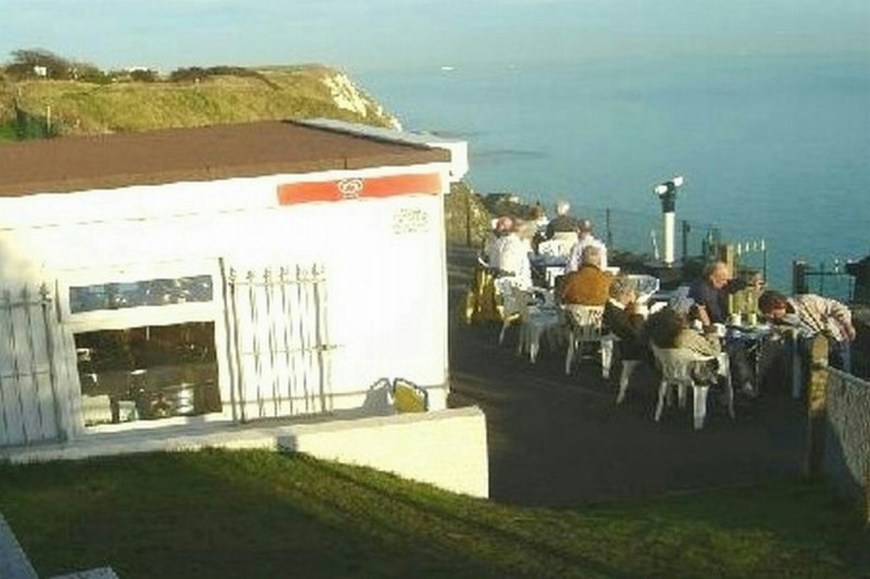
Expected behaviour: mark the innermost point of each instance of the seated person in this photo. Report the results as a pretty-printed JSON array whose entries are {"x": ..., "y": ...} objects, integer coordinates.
[
  {"x": 813, "y": 314},
  {"x": 563, "y": 226},
  {"x": 623, "y": 321},
  {"x": 710, "y": 293},
  {"x": 710, "y": 297},
  {"x": 669, "y": 329},
  {"x": 589, "y": 285},
  {"x": 585, "y": 239}
]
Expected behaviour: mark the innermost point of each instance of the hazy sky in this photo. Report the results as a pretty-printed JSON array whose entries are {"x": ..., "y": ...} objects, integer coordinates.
[{"x": 361, "y": 35}]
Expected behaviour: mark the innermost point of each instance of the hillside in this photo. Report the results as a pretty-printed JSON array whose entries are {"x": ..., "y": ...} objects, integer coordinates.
[
  {"x": 35, "y": 107},
  {"x": 283, "y": 92}
]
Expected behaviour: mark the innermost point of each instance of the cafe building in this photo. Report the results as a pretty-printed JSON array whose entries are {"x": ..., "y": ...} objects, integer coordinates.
[{"x": 226, "y": 273}]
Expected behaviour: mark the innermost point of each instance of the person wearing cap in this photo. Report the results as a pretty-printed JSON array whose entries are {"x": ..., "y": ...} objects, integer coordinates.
[{"x": 584, "y": 240}]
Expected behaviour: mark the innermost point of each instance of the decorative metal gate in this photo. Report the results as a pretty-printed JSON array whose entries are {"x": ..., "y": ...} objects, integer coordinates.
[
  {"x": 37, "y": 368},
  {"x": 278, "y": 348}
]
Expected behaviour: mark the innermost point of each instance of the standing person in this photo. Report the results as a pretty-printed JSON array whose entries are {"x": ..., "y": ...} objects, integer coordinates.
[
  {"x": 563, "y": 226},
  {"x": 586, "y": 239},
  {"x": 816, "y": 315},
  {"x": 514, "y": 251},
  {"x": 539, "y": 216},
  {"x": 589, "y": 285},
  {"x": 501, "y": 228}
]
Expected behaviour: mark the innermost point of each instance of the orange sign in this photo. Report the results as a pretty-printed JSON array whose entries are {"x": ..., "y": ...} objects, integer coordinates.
[{"x": 357, "y": 188}]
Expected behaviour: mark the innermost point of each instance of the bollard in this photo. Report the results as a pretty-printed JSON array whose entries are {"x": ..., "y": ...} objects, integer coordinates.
[{"x": 816, "y": 406}]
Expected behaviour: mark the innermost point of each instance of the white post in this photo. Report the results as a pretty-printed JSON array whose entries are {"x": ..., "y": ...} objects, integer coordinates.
[
  {"x": 668, "y": 220},
  {"x": 667, "y": 193}
]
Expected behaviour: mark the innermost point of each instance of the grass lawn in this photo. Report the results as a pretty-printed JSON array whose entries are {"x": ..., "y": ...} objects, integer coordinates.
[
  {"x": 263, "y": 514},
  {"x": 7, "y": 133}
]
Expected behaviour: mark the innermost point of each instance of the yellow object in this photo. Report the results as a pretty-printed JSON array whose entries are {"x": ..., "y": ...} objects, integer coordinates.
[
  {"x": 484, "y": 306},
  {"x": 408, "y": 397}
]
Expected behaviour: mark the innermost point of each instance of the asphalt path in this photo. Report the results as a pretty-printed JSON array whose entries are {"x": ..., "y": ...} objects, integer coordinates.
[{"x": 557, "y": 440}]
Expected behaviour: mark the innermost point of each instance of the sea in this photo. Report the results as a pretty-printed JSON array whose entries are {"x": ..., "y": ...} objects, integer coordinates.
[{"x": 774, "y": 151}]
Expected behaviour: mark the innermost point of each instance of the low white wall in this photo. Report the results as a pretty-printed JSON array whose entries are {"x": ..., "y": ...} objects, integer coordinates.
[{"x": 445, "y": 448}]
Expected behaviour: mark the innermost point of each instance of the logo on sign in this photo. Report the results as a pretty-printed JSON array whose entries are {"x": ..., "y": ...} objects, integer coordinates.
[{"x": 350, "y": 188}]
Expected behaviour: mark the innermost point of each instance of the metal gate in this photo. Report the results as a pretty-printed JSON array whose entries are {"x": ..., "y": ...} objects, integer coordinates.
[
  {"x": 37, "y": 368},
  {"x": 277, "y": 346}
]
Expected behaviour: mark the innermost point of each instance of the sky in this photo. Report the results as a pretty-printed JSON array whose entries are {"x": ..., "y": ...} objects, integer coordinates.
[{"x": 369, "y": 35}]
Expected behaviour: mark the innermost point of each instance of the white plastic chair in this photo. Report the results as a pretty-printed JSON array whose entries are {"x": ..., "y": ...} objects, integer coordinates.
[
  {"x": 584, "y": 327},
  {"x": 509, "y": 309},
  {"x": 535, "y": 322},
  {"x": 628, "y": 368},
  {"x": 555, "y": 247},
  {"x": 675, "y": 365}
]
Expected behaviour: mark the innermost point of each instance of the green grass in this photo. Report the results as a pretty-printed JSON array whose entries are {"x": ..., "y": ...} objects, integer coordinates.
[
  {"x": 86, "y": 108},
  {"x": 262, "y": 514},
  {"x": 7, "y": 133}
]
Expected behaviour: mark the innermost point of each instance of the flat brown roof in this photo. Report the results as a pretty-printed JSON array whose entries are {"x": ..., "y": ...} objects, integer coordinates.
[{"x": 194, "y": 154}]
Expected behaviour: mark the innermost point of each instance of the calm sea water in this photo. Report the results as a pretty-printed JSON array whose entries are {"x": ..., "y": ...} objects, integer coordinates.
[{"x": 773, "y": 149}]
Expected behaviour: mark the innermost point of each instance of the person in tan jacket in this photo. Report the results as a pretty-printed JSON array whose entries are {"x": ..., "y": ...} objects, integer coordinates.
[{"x": 589, "y": 285}]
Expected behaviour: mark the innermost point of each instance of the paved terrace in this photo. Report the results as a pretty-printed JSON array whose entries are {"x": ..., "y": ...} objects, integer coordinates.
[{"x": 559, "y": 440}]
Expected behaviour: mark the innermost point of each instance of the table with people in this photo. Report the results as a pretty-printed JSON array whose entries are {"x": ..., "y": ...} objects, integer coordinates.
[{"x": 756, "y": 338}]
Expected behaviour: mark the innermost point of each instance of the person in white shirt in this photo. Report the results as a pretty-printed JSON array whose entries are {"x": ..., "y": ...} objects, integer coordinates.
[
  {"x": 501, "y": 228},
  {"x": 585, "y": 239},
  {"x": 514, "y": 251}
]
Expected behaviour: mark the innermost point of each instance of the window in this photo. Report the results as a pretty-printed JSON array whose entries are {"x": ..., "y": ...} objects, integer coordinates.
[
  {"x": 152, "y": 292},
  {"x": 148, "y": 372}
]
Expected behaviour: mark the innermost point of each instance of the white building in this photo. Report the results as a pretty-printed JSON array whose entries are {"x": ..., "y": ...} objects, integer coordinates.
[{"x": 226, "y": 273}]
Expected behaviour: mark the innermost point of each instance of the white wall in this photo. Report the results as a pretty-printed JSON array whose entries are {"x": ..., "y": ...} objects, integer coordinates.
[
  {"x": 446, "y": 448},
  {"x": 384, "y": 258}
]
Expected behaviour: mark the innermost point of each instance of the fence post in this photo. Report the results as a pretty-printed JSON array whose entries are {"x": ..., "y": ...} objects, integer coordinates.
[
  {"x": 799, "y": 277},
  {"x": 816, "y": 406},
  {"x": 687, "y": 229}
]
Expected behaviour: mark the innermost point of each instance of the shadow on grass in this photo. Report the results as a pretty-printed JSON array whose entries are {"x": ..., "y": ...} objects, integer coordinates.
[{"x": 263, "y": 514}]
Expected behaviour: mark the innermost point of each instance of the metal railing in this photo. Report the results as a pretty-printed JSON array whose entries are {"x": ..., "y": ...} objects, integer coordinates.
[{"x": 826, "y": 279}]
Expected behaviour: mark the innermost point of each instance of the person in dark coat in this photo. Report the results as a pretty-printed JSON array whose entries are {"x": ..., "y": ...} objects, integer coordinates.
[{"x": 622, "y": 319}]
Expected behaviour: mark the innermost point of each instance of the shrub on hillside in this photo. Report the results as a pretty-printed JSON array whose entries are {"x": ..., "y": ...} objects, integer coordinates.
[
  {"x": 196, "y": 74},
  {"x": 41, "y": 63},
  {"x": 26, "y": 62},
  {"x": 143, "y": 75},
  {"x": 467, "y": 220}
]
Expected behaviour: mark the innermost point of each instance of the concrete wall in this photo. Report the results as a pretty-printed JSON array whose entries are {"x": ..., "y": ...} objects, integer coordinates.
[
  {"x": 847, "y": 443},
  {"x": 445, "y": 448}
]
